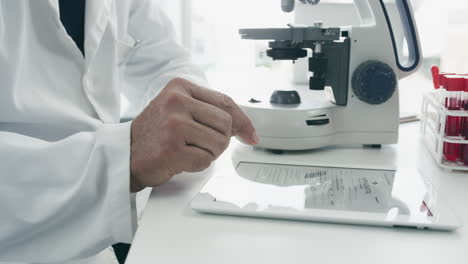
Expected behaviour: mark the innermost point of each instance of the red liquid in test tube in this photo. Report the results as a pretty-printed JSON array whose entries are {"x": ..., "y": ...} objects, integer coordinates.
[
  {"x": 454, "y": 87},
  {"x": 464, "y": 153},
  {"x": 442, "y": 85},
  {"x": 439, "y": 80}
]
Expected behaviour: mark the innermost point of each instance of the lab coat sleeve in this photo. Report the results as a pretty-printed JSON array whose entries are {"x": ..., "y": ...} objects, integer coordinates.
[
  {"x": 67, "y": 199},
  {"x": 157, "y": 58}
]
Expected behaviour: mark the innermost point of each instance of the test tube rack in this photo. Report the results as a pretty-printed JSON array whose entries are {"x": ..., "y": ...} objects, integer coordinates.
[{"x": 433, "y": 119}]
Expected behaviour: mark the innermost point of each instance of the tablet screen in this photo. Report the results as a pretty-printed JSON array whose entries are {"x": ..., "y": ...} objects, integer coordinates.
[
  {"x": 264, "y": 186},
  {"x": 328, "y": 188}
]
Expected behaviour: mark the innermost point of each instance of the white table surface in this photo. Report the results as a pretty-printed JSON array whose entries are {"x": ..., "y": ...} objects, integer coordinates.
[{"x": 171, "y": 232}]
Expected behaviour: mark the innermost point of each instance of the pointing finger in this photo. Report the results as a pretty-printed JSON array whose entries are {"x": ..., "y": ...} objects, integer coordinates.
[{"x": 241, "y": 124}]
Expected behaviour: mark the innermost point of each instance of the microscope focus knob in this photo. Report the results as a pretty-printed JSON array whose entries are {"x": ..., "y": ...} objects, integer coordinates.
[
  {"x": 285, "y": 98},
  {"x": 374, "y": 82}
]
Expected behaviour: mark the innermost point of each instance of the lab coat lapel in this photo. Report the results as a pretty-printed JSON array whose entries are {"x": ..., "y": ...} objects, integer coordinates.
[
  {"x": 98, "y": 15},
  {"x": 98, "y": 90},
  {"x": 55, "y": 6}
]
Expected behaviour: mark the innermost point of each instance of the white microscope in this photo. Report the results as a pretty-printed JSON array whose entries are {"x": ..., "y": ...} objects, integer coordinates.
[{"x": 352, "y": 96}]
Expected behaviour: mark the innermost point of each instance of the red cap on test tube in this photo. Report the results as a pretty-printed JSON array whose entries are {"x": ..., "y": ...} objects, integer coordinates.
[
  {"x": 443, "y": 78},
  {"x": 466, "y": 83},
  {"x": 435, "y": 76},
  {"x": 454, "y": 83}
]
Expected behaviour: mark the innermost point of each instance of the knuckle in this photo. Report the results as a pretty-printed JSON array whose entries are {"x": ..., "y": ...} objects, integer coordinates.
[
  {"x": 225, "y": 101},
  {"x": 174, "y": 98},
  {"x": 173, "y": 123},
  {"x": 177, "y": 81},
  {"x": 181, "y": 83},
  {"x": 227, "y": 119},
  {"x": 228, "y": 124}
]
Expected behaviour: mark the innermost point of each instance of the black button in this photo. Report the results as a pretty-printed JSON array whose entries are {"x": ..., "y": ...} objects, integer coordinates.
[
  {"x": 285, "y": 98},
  {"x": 319, "y": 122},
  {"x": 254, "y": 101}
]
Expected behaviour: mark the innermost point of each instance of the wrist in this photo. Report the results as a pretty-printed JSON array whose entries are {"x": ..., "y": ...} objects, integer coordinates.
[{"x": 135, "y": 184}]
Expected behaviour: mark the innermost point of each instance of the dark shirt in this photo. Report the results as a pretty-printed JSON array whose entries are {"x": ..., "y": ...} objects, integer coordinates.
[{"x": 72, "y": 15}]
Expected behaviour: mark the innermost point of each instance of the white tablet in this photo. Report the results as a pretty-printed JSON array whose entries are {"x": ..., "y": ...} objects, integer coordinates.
[{"x": 392, "y": 198}]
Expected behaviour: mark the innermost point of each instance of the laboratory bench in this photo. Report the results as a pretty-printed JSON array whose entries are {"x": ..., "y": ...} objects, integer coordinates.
[{"x": 171, "y": 232}]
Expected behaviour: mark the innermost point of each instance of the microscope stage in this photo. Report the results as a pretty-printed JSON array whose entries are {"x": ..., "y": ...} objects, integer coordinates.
[{"x": 310, "y": 100}]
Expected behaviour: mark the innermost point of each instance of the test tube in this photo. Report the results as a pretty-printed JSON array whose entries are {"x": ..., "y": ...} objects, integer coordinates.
[
  {"x": 439, "y": 84},
  {"x": 436, "y": 76},
  {"x": 464, "y": 152},
  {"x": 442, "y": 86},
  {"x": 454, "y": 87}
]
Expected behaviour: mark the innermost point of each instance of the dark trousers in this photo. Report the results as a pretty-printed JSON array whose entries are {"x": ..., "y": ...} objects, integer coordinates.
[{"x": 121, "y": 251}]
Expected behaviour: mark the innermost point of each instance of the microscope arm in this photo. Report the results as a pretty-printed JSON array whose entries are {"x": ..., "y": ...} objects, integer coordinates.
[{"x": 288, "y": 5}]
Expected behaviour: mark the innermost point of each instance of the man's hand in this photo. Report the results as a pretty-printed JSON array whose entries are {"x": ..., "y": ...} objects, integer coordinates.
[{"x": 184, "y": 129}]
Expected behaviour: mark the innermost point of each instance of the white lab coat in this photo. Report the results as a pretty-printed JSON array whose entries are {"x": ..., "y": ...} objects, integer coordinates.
[{"x": 64, "y": 157}]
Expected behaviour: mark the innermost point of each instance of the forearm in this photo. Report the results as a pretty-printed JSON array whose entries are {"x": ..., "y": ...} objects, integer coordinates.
[{"x": 66, "y": 199}]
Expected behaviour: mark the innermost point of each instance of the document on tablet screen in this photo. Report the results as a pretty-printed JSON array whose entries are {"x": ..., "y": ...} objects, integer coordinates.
[{"x": 329, "y": 188}]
